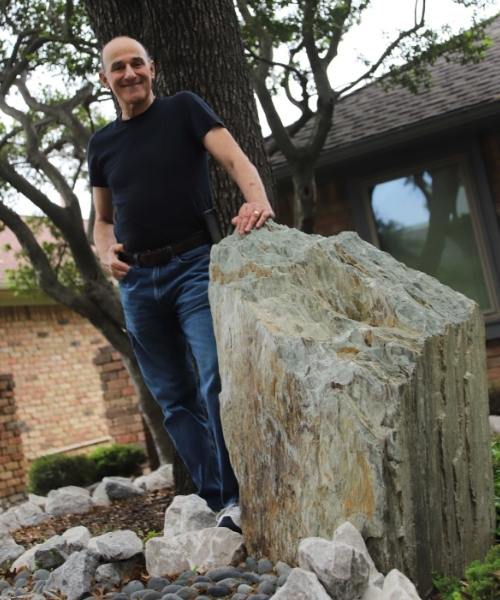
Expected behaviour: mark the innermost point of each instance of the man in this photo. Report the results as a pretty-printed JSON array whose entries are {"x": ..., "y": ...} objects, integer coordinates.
[{"x": 149, "y": 176}]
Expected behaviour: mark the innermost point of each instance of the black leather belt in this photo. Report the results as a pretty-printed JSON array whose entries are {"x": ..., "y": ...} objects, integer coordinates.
[{"x": 153, "y": 258}]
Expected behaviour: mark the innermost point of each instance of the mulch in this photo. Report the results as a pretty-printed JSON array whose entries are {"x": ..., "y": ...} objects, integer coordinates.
[{"x": 141, "y": 514}]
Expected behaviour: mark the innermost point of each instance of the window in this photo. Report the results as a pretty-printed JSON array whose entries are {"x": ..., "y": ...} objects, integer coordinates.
[{"x": 427, "y": 218}]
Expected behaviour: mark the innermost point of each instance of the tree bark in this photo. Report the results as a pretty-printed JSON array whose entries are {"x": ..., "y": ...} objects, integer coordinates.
[
  {"x": 196, "y": 46},
  {"x": 304, "y": 197}
]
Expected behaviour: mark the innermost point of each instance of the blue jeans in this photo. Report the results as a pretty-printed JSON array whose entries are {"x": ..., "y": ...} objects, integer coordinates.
[{"x": 170, "y": 326}]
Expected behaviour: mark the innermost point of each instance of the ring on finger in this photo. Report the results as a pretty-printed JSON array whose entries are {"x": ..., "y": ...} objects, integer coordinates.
[{"x": 256, "y": 213}]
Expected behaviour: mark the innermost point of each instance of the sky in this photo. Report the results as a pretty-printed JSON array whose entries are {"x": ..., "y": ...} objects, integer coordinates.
[{"x": 380, "y": 22}]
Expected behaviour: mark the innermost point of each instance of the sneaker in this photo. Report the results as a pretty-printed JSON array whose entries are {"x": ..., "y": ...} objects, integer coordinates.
[{"x": 230, "y": 517}]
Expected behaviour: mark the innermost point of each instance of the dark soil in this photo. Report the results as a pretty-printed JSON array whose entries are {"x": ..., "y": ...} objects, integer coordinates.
[{"x": 141, "y": 514}]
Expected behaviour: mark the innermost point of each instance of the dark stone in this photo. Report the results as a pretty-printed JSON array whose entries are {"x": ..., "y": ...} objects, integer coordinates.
[
  {"x": 251, "y": 563},
  {"x": 157, "y": 583},
  {"x": 41, "y": 574},
  {"x": 133, "y": 586},
  {"x": 187, "y": 593},
  {"x": 251, "y": 577},
  {"x": 151, "y": 595},
  {"x": 231, "y": 582},
  {"x": 201, "y": 586},
  {"x": 266, "y": 587},
  {"x": 218, "y": 591},
  {"x": 171, "y": 588},
  {"x": 264, "y": 566},
  {"x": 223, "y": 573},
  {"x": 258, "y": 597}
]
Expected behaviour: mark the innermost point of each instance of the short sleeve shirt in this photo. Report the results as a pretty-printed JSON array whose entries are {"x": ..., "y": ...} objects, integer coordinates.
[{"x": 156, "y": 167}]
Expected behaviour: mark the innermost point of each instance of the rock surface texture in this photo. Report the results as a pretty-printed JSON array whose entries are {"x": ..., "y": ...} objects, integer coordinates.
[{"x": 353, "y": 388}]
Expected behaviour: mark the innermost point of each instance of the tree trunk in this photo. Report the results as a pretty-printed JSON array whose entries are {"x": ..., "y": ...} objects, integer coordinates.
[
  {"x": 196, "y": 46},
  {"x": 304, "y": 198}
]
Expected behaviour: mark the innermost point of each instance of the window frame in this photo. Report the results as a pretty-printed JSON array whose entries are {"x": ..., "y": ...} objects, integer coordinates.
[{"x": 467, "y": 156}]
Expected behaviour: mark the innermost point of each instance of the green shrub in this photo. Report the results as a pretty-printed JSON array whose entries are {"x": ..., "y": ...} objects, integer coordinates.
[
  {"x": 495, "y": 451},
  {"x": 482, "y": 577},
  {"x": 117, "y": 459},
  {"x": 57, "y": 470}
]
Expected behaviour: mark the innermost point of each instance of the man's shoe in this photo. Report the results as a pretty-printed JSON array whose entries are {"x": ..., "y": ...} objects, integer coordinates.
[{"x": 230, "y": 517}]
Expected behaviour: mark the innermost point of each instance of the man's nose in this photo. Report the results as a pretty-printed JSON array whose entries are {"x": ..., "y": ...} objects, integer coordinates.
[{"x": 129, "y": 72}]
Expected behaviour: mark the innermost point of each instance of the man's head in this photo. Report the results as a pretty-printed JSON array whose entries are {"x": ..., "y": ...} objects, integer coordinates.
[{"x": 128, "y": 71}]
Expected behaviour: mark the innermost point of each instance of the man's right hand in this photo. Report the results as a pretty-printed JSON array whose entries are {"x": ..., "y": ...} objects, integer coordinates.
[{"x": 113, "y": 264}]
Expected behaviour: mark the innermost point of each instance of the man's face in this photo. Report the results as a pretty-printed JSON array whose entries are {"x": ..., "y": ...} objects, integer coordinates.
[{"x": 127, "y": 71}]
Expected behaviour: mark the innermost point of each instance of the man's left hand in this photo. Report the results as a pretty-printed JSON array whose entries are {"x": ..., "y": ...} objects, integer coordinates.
[{"x": 250, "y": 215}]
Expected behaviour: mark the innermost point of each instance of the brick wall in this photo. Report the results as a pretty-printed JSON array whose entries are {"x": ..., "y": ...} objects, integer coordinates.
[
  {"x": 120, "y": 398},
  {"x": 12, "y": 461},
  {"x": 49, "y": 351}
]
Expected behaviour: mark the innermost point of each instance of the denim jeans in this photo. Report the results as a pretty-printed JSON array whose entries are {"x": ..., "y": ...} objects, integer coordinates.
[{"x": 170, "y": 326}]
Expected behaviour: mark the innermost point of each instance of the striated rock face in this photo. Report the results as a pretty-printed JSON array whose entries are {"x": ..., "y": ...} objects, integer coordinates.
[{"x": 353, "y": 388}]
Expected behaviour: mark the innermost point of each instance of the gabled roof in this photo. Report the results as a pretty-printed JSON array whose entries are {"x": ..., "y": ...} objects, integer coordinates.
[{"x": 371, "y": 116}]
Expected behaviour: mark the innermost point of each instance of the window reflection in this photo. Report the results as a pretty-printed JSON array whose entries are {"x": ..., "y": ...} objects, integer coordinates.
[{"x": 424, "y": 221}]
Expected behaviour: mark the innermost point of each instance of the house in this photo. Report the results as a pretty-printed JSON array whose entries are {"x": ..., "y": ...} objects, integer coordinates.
[{"x": 418, "y": 175}]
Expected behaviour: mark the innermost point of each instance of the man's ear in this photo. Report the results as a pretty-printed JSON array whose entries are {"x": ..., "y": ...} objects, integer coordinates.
[
  {"x": 103, "y": 79},
  {"x": 152, "y": 68}
]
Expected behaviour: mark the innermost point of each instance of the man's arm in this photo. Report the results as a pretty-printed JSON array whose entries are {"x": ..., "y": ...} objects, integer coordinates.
[
  {"x": 256, "y": 209},
  {"x": 104, "y": 236}
]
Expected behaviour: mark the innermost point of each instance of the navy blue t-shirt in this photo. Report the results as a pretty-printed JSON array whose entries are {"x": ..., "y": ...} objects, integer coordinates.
[{"x": 156, "y": 167}]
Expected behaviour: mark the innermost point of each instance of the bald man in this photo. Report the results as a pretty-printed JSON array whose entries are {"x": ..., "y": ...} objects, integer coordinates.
[{"x": 149, "y": 176}]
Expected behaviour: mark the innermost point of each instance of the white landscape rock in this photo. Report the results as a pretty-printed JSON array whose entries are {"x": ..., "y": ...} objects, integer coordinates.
[
  {"x": 301, "y": 585},
  {"x": 341, "y": 569},
  {"x": 187, "y": 513},
  {"x": 52, "y": 553},
  {"x": 9, "y": 521},
  {"x": 108, "y": 573},
  {"x": 30, "y": 513},
  {"x": 9, "y": 551},
  {"x": 26, "y": 560},
  {"x": 77, "y": 538},
  {"x": 156, "y": 480},
  {"x": 68, "y": 500},
  {"x": 349, "y": 535},
  {"x": 204, "y": 550},
  {"x": 372, "y": 592},
  {"x": 115, "y": 488},
  {"x": 75, "y": 577},
  {"x": 398, "y": 587},
  {"x": 38, "y": 500},
  {"x": 116, "y": 545},
  {"x": 364, "y": 378}
]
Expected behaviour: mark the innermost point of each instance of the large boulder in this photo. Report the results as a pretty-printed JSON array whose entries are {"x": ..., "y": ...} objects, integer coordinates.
[{"x": 353, "y": 388}]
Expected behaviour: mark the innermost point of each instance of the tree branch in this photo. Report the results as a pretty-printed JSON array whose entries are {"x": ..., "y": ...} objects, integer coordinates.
[
  {"x": 51, "y": 209},
  {"x": 318, "y": 69},
  {"x": 61, "y": 112},
  {"x": 331, "y": 53},
  {"x": 387, "y": 52},
  {"x": 259, "y": 75},
  {"x": 37, "y": 159}
]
